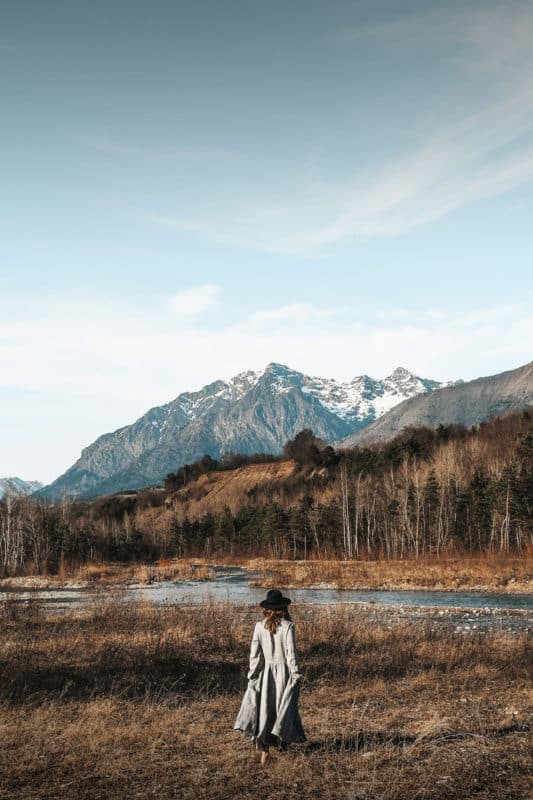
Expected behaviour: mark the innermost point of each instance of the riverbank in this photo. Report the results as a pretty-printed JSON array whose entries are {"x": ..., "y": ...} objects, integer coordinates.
[
  {"x": 498, "y": 573},
  {"x": 116, "y": 575},
  {"x": 139, "y": 701},
  {"x": 503, "y": 574}
]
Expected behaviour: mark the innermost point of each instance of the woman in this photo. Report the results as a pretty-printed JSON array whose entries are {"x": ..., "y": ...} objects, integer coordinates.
[{"x": 269, "y": 709}]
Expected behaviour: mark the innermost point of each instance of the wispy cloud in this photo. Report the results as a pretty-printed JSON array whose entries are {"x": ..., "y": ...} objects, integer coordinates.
[
  {"x": 121, "y": 352},
  {"x": 195, "y": 300},
  {"x": 454, "y": 161},
  {"x": 293, "y": 314},
  {"x": 163, "y": 152}
]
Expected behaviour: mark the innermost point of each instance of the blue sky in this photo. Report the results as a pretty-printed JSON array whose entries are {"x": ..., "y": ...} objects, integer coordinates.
[{"x": 193, "y": 189}]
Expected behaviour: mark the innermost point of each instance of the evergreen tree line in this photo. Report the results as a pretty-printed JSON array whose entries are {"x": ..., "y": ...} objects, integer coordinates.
[{"x": 426, "y": 491}]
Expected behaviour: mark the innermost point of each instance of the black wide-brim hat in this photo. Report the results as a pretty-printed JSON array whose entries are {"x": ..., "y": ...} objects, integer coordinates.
[{"x": 274, "y": 600}]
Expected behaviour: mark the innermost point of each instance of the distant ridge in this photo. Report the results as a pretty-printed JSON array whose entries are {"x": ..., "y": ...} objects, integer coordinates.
[
  {"x": 254, "y": 412},
  {"x": 463, "y": 403},
  {"x": 18, "y": 487}
]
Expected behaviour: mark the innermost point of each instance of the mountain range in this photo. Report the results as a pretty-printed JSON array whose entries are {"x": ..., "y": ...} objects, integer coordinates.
[
  {"x": 254, "y": 412},
  {"x": 18, "y": 487},
  {"x": 257, "y": 412},
  {"x": 465, "y": 404}
]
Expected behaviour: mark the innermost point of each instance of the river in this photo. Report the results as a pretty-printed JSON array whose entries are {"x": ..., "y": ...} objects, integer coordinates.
[{"x": 466, "y": 610}]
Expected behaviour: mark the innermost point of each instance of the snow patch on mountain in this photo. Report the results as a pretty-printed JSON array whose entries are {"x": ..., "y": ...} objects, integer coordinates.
[
  {"x": 359, "y": 400},
  {"x": 365, "y": 398}
]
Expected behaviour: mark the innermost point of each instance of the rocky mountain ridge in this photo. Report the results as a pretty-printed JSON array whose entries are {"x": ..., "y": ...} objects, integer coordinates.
[
  {"x": 467, "y": 403},
  {"x": 18, "y": 487}
]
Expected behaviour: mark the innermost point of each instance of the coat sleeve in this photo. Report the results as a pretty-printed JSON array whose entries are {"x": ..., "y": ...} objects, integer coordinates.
[
  {"x": 256, "y": 656},
  {"x": 292, "y": 653}
]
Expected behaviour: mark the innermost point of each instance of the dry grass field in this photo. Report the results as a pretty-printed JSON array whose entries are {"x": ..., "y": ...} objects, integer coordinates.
[
  {"x": 123, "y": 701},
  {"x": 218, "y": 490},
  {"x": 185, "y": 569},
  {"x": 115, "y": 575},
  {"x": 499, "y": 572}
]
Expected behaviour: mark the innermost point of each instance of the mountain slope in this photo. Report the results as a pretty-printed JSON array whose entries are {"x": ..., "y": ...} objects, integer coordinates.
[
  {"x": 18, "y": 487},
  {"x": 465, "y": 403},
  {"x": 253, "y": 412}
]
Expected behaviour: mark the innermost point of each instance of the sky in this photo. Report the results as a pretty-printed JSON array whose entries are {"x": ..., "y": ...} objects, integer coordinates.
[{"x": 189, "y": 190}]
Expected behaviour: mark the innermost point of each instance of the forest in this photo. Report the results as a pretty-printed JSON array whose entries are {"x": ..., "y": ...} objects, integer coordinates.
[{"x": 428, "y": 491}]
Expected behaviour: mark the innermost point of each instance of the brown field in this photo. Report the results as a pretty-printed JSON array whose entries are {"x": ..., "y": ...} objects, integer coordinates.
[
  {"x": 116, "y": 574},
  {"x": 214, "y": 492},
  {"x": 506, "y": 573},
  {"x": 138, "y": 702},
  {"x": 185, "y": 569}
]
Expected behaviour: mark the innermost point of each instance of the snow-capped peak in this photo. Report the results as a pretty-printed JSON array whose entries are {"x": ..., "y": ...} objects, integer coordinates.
[
  {"x": 241, "y": 384},
  {"x": 361, "y": 399},
  {"x": 400, "y": 374}
]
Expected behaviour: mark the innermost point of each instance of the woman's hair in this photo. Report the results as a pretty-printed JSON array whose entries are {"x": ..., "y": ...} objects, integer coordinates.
[{"x": 273, "y": 618}]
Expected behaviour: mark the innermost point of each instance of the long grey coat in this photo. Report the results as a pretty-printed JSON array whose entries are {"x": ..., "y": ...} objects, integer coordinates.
[{"x": 270, "y": 704}]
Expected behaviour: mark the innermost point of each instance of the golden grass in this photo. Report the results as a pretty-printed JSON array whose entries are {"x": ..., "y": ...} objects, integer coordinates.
[
  {"x": 134, "y": 701},
  {"x": 190, "y": 569},
  {"x": 117, "y": 574},
  {"x": 216, "y": 491},
  {"x": 510, "y": 573}
]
